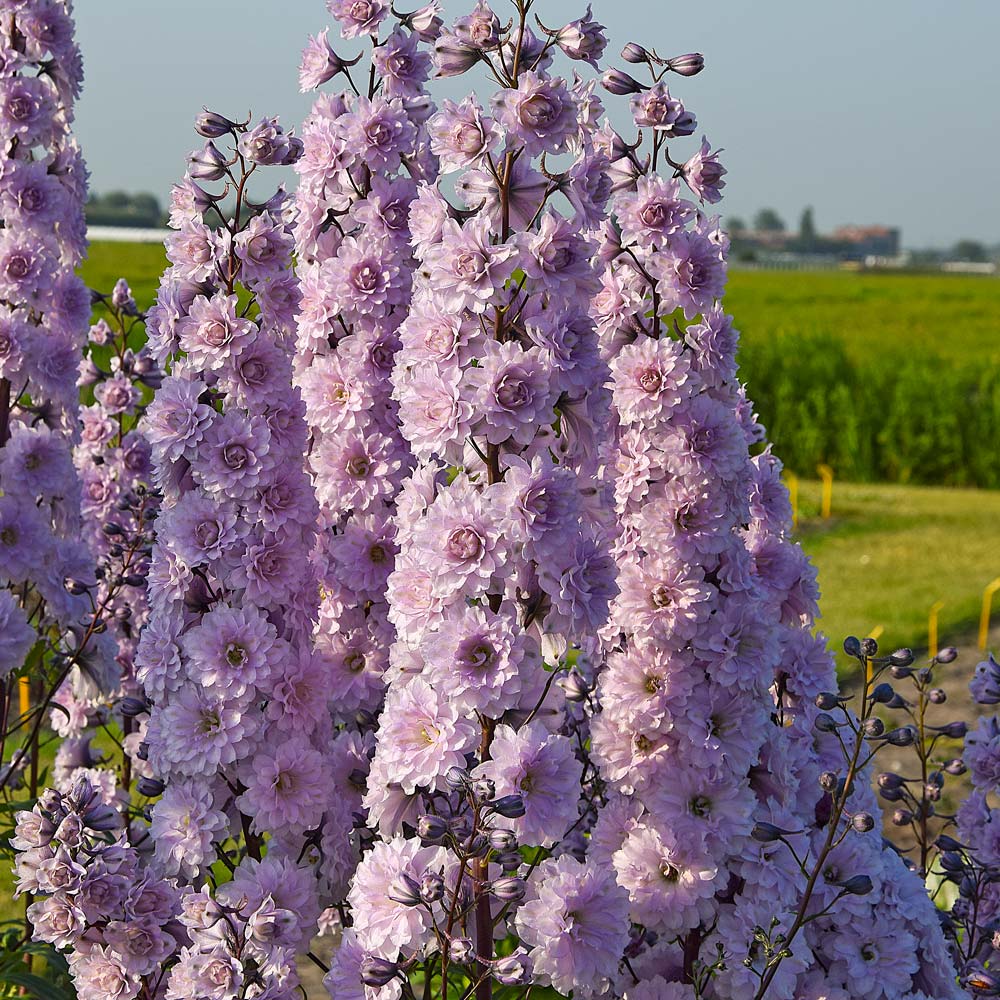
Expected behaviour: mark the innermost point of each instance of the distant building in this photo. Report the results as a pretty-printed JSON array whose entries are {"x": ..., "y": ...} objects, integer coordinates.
[{"x": 864, "y": 241}]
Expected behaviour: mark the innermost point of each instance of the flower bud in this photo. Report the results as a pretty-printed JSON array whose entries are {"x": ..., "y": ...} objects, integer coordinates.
[
  {"x": 897, "y": 701},
  {"x": 405, "y": 890},
  {"x": 431, "y": 887},
  {"x": 212, "y": 125},
  {"x": 873, "y": 728},
  {"x": 74, "y": 586},
  {"x": 150, "y": 787},
  {"x": 980, "y": 982},
  {"x": 902, "y": 657},
  {"x": 509, "y": 861},
  {"x": 826, "y": 723},
  {"x": 503, "y": 840},
  {"x": 946, "y": 843},
  {"x": 635, "y": 53},
  {"x": 858, "y": 885},
  {"x": 955, "y": 766},
  {"x": 509, "y": 889},
  {"x": 690, "y": 64},
  {"x": 863, "y": 822},
  {"x": 869, "y": 647},
  {"x": 902, "y": 817},
  {"x": 937, "y": 696},
  {"x": 207, "y": 163},
  {"x": 890, "y": 780},
  {"x": 378, "y": 972},
  {"x": 902, "y": 737},
  {"x": 452, "y": 57},
  {"x": 131, "y": 707},
  {"x": 426, "y": 22},
  {"x": 617, "y": 81},
  {"x": 432, "y": 829},
  {"x": 882, "y": 694},
  {"x": 508, "y": 806},
  {"x": 766, "y": 833},
  {"x": 828, "y": 781},
  {"x": 826, "y": 701},
  {"x": 852, "y": 646},
  {"x": 457, "y": 778},
  {"x": 954, "y": 730},
  {"x": 947, "y": 655}
]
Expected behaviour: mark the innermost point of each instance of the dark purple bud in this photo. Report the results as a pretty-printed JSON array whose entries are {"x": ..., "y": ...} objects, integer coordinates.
[
  {"x": 869, "y": 647},
  {"x": 890, "y": 780},
  {"x": 431, "y": 887},
  {"x": 858, "y": 885},
  {"x": 882, "y": 694},
  {"x": 112, "y": 529},
  {"x": 863, "y": 822},
  {"x": 924, "y": 675},
  {"x": 896, "y": 702},
  {"x": 432, "y": 829},
  {"x": 826, "y": 701},
  {"x": 212, "y": 125},
  {"x": 207, "y": 163},
  {"x": 902, "y": 657},
  {"x": 828, "y": 781},
  {"x": 405, "y": 890},
  {"x": 902, "y": 817},
  {"x": 873, "y": 728},
  {"x": 766, "y": 833},
  {"x": 852, "y": 646},
  {"x": 150, "y": 787},
  {"x": 946, "y": 843},
  {"x": 508, "y": 806},
  {"x": 937, "y": 696},
  {"x": 947, "y": 655},
  {"x": 826, "y": 723},
  {"x": 901, "y": 673},
  {"x": 74, "y": 586},
  {"x": 509, "y": 889},
  {"x": 634, "y": 53},
  {"x": 575, "y": 687},
  {"x": 902, "y": 737},
  {"x": 955, "y": 766},
  {"x": 617, "y": 81},
  {"x": 378, "y": 972},
  {"x": 503, "y": 840},
  {"x": 131, "y": 707},
  {"x": 690, "y": 64},
  {"x": 509, "y": 861},
  {"x": 954, "y": 730},
  {"x": 457, "y": 778},
  {"x": 891, "y": 794}
]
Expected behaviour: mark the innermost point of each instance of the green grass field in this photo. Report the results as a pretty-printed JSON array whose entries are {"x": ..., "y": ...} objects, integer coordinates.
[{"x": 953, "y": 317}]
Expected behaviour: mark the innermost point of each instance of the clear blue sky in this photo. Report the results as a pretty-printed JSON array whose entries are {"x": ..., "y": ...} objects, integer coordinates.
[{"x": 872, "y": 111}]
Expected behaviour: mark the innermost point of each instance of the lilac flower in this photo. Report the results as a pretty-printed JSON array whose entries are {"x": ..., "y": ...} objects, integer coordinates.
[
  {"x": 97, "y": 973},
  {"x": 231, "y": 459},
  {"x": 656, "y": 109},
  {"x": 16, "y": 635},
  {"x": 467, "y": 268},
  {"x": 230, "y": 650},
  {"x": 402, "y": 66},
  {"x": 542, "y": 769},
  {"x": 583, "y": 39},
  {"x": 653, "y": 212},
  {"x": 651, "y": 378},
  {"x": 185, "y": 824},
  {"x": 461, "y": 135},
  {"x": 703, "y": 173},
  {"x": 27, "y": 109},
  {"x": 212, "y": 331},
  {"x": 691, "y": 274},
  {"x": 286, "y": 787},
  {"x": 576, "y": 925},
  {"x": 176, "y": 420},
  {"x": 380, "y": 131},
  {"x": 385, "y": 927},
  {"x": 540, "y": 114},
  {"x": 358, "y": 17}
]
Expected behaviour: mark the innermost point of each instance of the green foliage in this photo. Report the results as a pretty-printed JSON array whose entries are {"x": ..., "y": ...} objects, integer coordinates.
[
  {"x": 118, "y": 208},
  {"x": 884, "y": 377},
  {"x": 45, "y": 978}
]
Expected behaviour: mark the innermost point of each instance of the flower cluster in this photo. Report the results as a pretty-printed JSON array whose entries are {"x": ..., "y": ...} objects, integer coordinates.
[
  {"x": 52, "y": 613},
  {"x": 707, "y": 730}
]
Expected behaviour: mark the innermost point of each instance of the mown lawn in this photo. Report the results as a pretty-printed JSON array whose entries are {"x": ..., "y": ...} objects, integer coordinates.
[{"x": 889, "y": 552}]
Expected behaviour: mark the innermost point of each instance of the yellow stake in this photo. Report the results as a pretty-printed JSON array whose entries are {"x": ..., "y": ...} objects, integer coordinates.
[
  {"x": 24, "y": 690},
  {"x": 826, "y": 473},
  {"x": 793, "y": 496},
  {"x": 984, "y": 618},
  {"x": 932, "y": 628},
  {"x": 876, "y": 632}
]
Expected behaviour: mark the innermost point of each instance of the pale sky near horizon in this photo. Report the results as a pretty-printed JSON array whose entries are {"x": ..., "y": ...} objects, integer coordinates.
[{"x": 872, "y": 112}]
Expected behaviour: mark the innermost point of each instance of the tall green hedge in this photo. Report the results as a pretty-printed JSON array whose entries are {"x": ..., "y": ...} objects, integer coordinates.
[{"x": 902, "y": 418}]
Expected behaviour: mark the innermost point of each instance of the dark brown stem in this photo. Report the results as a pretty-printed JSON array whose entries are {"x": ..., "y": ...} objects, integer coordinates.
[{"x": 4, "y": 410}]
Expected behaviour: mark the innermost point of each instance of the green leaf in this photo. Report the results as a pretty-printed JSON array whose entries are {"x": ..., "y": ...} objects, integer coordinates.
[{"x": 36, "y": 987}]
